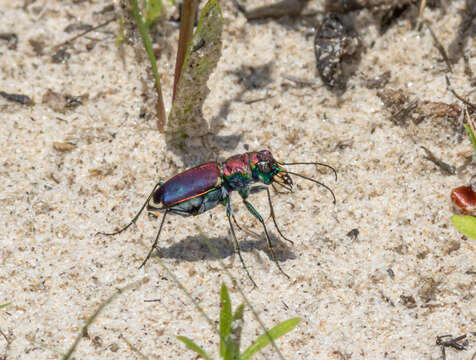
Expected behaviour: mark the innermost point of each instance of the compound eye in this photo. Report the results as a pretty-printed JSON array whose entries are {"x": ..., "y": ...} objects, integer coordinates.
[{"x": 264, "y": 167}]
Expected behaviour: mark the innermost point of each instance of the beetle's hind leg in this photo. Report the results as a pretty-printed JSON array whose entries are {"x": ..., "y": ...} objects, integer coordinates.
[
  {"x": 156, "y": 240},
  {"x": 135, "y": 217},
  {"x": 255, "y": 213}
]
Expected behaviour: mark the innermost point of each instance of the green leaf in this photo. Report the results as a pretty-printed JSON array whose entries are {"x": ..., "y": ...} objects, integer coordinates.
[
  {"x": 192, "y": 346},
  {"x": 465, "y": 224},
  {"x": 276, "y": 332},
  {"x": 471, "y": 136},
  {"x": 153, "y": 8},
  {"x": 225, "y": 320},
  {"x": 201, "y": 58}
]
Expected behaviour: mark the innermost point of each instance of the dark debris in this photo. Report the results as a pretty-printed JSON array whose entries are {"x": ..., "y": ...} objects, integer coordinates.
[
  {"x": 353, "y": 234},
  {"x": 11, "y": 39},
  {"x": 398, "y": 102},
  {"x": 458, "y": 343},
  {"x": 62, "y": 102},
  {"x": 379, "y": 81},
  {"x": 408, "y": 301},
  {"x": 336, "y": 46},
  {"x": 391, "y": 16},
  {"x": 79, "y": 26},
  {"x": 291, "y": 8},
  {"x": 18, "y": 98},
  {"x": 61, "y": 56}
]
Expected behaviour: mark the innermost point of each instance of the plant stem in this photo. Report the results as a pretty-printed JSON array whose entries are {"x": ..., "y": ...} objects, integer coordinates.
[{"x": 188, "y": 15}]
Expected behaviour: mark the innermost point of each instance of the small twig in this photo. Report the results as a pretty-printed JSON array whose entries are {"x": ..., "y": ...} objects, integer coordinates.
[
  {"x": 300, "y": 80},
  {"x": 422, "y": 9},
  {"x": 8, "y": 344},
  {"x": 440, "y": 163},
  {"x": 448, "y": 85},
  {"x": 440, "y": 47},
  {"x": 84, "y": 33},
  {"x": 133, "y": 348},
  {"x": 252, "y": 101}
]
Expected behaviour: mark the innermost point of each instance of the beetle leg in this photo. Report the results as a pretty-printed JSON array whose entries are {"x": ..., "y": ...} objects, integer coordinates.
[
  {"x": 156, "y": 240},
  {"x": 235, "y": 241},
  {"x": 245, "y": 230},
  {"x": 274, "y": 218},
  {"x": 256, "y": 189},
  {"x": 135, "y": 217},
  {"x": 255, "y": 213}
]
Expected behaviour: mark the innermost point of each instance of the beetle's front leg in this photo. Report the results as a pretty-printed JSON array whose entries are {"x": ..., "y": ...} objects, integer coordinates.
[
  {"x": 227, "y": 203},
  {"x": 256, "y": 214}
]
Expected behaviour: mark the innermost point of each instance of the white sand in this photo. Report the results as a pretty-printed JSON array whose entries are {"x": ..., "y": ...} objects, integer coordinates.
[{"x": 56, "y": 272}]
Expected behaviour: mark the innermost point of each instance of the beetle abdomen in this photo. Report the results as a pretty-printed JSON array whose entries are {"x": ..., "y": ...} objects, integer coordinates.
[
  {"x": 199, "y": 204},
  {"x": 189, "y": 184}
]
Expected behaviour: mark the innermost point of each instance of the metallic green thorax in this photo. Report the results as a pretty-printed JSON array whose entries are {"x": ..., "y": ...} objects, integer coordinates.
[
  {"x": 241, "y": 170},
  {"x": 265, "y": 178}
]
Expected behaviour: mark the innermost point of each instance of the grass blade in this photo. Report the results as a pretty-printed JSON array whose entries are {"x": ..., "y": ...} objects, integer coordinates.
[
  {"x": 93, "y": 317},
  {"x": 225, "y": 320},
  {"x": 153, "y": 9},
  {"x": 276, "y": 332},
  {"x": 190, "y": 297},
  {"x": 465, "y": 224},
  {"x": 192, "y": 346},
  {"x": 161, "y": 116},
  {"x": 471, "y": 136},
  {"x": 214, "y": 251}
]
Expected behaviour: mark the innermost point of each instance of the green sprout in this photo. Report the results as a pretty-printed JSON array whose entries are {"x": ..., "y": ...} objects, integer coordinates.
[
  {"x": 466, "y": 224},
  {"x": 231, "y": 325},
  {"x": 153, "y": 8}
]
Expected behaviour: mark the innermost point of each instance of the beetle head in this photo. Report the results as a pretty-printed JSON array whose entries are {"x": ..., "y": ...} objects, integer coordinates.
[{"x": 267, "y": 170}]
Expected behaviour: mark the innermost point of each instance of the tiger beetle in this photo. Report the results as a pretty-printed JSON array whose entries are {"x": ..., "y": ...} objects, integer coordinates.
[{"x": 203, "y": 187}]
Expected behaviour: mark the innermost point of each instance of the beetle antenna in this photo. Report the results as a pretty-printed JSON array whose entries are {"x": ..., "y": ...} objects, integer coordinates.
[
  {"x": 312, "y": 163},
  {"x": 315, "y": 181}
]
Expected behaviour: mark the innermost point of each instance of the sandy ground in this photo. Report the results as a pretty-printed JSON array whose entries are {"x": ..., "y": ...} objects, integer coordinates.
[{"x": 386, "y": 294}]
